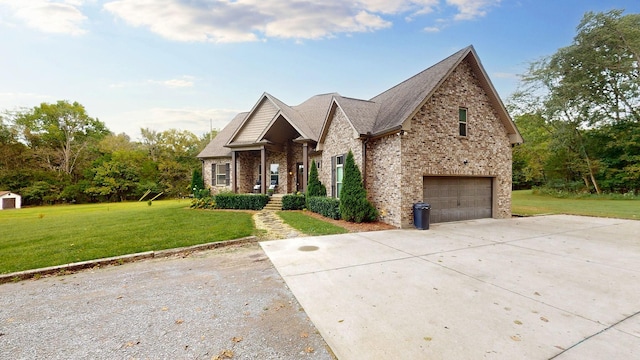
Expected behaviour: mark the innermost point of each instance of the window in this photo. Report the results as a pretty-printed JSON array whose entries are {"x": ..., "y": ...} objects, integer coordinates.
[
  {"x": 462, "y": 121},
  {"x": 220, "y": 174},
  {"x": 274, "y": 174},
  {"x": 337, "y": 174}
]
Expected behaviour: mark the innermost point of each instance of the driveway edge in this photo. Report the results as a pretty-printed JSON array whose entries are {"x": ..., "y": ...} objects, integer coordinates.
[{"x": 119, "y": 260}]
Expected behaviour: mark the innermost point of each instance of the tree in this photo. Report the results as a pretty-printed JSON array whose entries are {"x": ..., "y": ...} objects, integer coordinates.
[
  {"x": 197, "y": 184},
  {"x": 174, "y": 154},
  {"x": 354, "y": 206},
  {"x": 60, "y": 133},
  {"x": 530, "y": 157},
  {"x": 315, "y": 187},
  {"x": 593, "y": 82}
]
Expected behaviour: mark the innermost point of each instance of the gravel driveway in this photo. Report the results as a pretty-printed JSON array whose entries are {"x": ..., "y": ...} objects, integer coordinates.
[{"x": 228, "y": 303}]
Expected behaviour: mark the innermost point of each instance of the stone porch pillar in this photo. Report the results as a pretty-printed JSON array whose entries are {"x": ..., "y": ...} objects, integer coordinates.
[
  {"x": 263, "y": 162},
  {"x": 234, "y": 172},
  {"x": 305, "y": 165}
]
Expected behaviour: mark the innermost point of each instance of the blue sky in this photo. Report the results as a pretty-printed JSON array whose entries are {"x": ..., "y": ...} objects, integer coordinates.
[{"x": 182, "y": 63}]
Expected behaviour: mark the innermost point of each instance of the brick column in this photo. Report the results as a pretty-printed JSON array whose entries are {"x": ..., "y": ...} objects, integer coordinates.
[
  {"x": 305, "y": 165},
  {"x": 263, "y": 162}
]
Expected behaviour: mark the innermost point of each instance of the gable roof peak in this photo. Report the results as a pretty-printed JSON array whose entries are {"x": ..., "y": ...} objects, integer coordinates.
[{"x": 400, "y": 101}]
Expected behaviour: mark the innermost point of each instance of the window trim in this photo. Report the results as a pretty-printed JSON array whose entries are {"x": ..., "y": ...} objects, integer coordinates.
[
  {"x": 336, "y": 163},
  {"x": 276, "y": 174},
  {"x": 220, "y": 176},
  {"x": 463, "y": 124}
]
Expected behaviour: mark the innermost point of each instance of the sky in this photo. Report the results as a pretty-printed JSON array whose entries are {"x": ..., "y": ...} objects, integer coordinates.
[{"x": 193, "y": 64}]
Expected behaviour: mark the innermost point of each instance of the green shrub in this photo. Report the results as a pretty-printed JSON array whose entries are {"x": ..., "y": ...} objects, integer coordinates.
[
  {"x": 197, "y": 184},
  {"x": 325, "y": 206},
  {"x": 293, "y": 202},
  {"x": 315, "y": 187},
  {"x": 206, "y": 202},
  {"x": 354, "y": 206},
  {"x": 241, "y": 201}
]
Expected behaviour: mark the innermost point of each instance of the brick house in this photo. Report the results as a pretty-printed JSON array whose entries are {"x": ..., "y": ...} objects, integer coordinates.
[{"x": 442, "y": 136}]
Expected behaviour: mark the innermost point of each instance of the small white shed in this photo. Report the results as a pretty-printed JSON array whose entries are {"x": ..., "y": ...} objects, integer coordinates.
[{"x": 9, "y": 200}]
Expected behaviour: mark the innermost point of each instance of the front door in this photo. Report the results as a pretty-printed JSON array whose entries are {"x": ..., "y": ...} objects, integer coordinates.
[{"x": 299, "y": 176}]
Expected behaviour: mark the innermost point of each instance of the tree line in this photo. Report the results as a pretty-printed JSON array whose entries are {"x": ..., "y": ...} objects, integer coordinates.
[
  {"x": 578, "y": 111},
  {"x": 57, "y": 153}
]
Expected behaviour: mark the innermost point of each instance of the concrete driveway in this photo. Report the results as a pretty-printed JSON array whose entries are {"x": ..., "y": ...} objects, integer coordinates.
[{"x": 563, "y": 287}]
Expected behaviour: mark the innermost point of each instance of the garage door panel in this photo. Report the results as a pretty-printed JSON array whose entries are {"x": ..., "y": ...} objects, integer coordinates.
[{"x": 458, "y": 198}]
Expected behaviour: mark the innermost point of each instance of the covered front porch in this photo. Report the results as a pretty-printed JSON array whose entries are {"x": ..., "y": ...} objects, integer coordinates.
[{"x": 286, "y": 167}]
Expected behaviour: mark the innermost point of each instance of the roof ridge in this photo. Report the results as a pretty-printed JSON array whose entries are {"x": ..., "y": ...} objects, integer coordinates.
[{"x": 356, "y": 99}]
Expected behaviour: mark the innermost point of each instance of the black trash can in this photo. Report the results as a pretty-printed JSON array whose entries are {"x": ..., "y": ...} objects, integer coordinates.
[{"x": 421, "y": 215}]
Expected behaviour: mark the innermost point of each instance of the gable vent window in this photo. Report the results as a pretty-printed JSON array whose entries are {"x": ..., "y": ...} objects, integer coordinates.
[{"x": 462, "y": 121}]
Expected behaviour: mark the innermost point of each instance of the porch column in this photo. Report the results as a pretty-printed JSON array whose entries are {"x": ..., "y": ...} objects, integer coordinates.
[
  {"x": 234, "y": 173},
  {"x": 305, "y": 165},
  {"x": 263, "y": 162}
]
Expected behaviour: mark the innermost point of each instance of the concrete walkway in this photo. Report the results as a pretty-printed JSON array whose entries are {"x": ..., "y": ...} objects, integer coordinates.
[{"x": 552, "y": 287}]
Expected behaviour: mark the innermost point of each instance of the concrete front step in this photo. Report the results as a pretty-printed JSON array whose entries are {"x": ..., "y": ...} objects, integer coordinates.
[{"x": 275, "y": 203}]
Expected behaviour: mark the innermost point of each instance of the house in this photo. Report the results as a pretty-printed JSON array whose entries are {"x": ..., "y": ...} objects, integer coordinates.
[
  {"x": 9, "y": 200},
  {"x": 442, "y": 136}
]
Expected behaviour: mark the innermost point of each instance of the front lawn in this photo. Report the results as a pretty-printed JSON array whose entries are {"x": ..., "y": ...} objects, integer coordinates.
[
  {"x": 55, "y": 235},
  {"x": 309, "y": 225},
  {"x": 524, "y": 202}
]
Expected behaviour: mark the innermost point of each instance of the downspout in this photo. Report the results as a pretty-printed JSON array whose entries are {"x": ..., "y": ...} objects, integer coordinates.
[
  {"x": 365, "y": 140},
  {"x": 202, "y": 172}
]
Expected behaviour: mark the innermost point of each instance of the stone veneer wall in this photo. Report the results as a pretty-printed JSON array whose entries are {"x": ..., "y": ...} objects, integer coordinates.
[
  {"x": 279, "y": 158},
  {"x": 295, "y": 157},
  {"x": 383, "y": 169},
  {"x": 207, "y": 175},
  {"x": 247, "y": 171},
  {"x": 340, "y": 138},
  {"x": 433, "y": 147}
]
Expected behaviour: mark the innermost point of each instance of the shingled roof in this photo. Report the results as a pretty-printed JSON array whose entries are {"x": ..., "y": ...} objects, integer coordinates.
[
  {"x": 381, "y": 114},
  {"x": 399, "y": 102},
  {"x": 216, "y": 148}
]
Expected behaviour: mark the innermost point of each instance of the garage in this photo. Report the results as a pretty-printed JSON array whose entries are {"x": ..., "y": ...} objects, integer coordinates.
[
  {"x": 458, "y": 198},
  {"x": 9, "y": 200}
]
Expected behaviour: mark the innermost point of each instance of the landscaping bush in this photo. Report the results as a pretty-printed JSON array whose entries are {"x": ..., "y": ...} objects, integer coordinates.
[
  {"x": 206, "y": 202},
  {"x": 241, "y": 201},
  {"x": 293, "y": 202},
  {"x": 325, "y": 206},
  {"x": 354, "y": 206},
  {"x": 315, "y": 187}
]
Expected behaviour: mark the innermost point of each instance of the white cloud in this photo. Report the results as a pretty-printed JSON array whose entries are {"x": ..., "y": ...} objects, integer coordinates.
[
  {"x": 399, "y": 6},
  {"x": 50, "y": 16},
  {"x": 181, "y": 82},
  {"x": 16, "y": 100},
  {"x": 471, "y": 9},
  {"x": 196, "y": 120},
  {"x": 185, "y": 81},
  {"x": 225, "y": 21},
  {"x": 432, "y": 29}
]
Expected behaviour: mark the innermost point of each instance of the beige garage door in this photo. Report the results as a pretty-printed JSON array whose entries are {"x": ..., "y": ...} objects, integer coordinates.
[{"x": 458, "y": 198}]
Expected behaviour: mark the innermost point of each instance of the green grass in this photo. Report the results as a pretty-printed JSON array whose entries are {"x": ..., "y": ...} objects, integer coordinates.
[
  {"x": 308, "y": 224},
  {"x": 54, "y": 235},
  {"x": 524, "y": 202}
]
